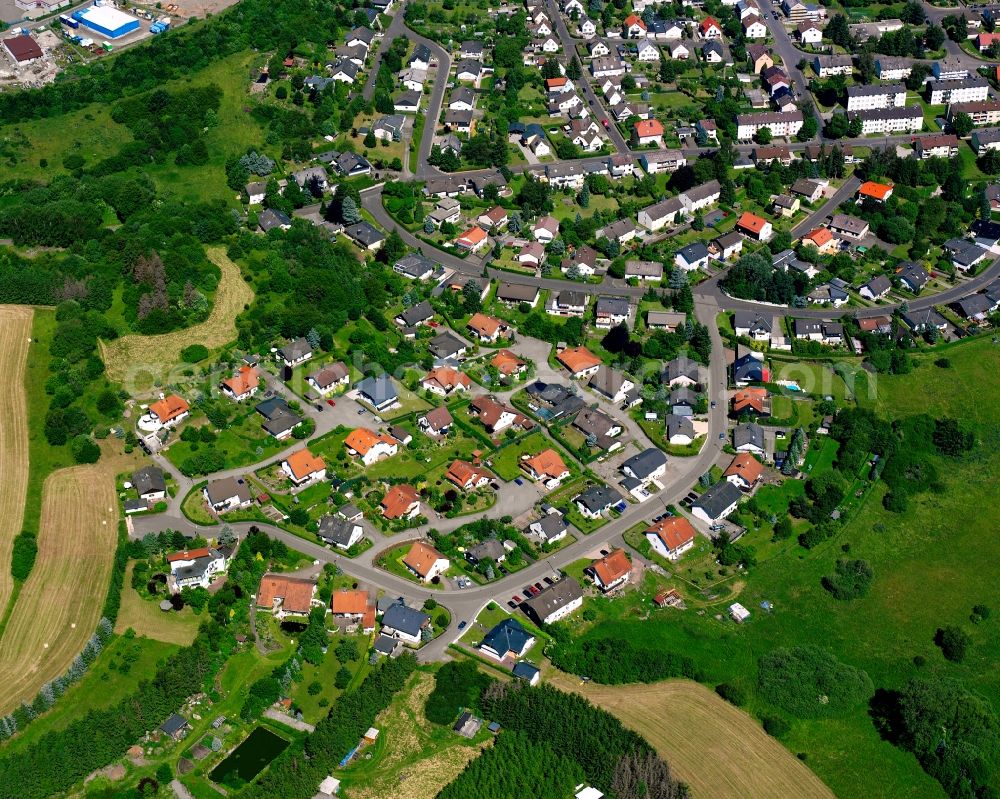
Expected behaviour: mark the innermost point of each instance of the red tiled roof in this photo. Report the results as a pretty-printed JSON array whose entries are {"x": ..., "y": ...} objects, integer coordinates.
[
  {"x": 612, "y": 567},
  {"x": 577, "y": 359},
  {"x": 877, "y": 191},
  {"x": 747, "y": 467},
  {"x": 546, "y": 463},
  {"x": 168, "y": 408},
  {"x": 751, "y": 222},
  {"x": 421, "y": 558},
  {"x": 295, "y": 593},
  {"x": 674, "y": 532},
  {"x": 188, "y": 554},
  {"x": 648, "y": 127},
  {"x": 349, "y": 602},
  {"x": 398, "y": 500},
  {"x": 303, "y": 463}
]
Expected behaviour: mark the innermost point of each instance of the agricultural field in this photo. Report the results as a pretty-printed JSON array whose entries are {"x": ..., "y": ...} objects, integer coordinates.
[
  {"x": 716, "y": 748},
  {"x": 136, "y": 361},
  {"x": 60, "y": 604},
  {"x": 15, "y": 330},
  {"x": 146, "y": 619}
]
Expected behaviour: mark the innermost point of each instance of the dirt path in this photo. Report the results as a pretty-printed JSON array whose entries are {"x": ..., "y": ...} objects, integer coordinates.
[
  {"x": 135, "y": 361},
  {"x": 15, "y": 330},
  {"x": 719, "y": 750}
]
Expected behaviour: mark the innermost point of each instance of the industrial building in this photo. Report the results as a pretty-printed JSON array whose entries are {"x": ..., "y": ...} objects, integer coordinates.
[{"x": 106, "y": 21}]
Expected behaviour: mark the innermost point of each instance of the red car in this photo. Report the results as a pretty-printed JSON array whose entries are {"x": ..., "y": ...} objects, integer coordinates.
[
  {"x": 331, "y": 403},
  {"x": 518, "y": 599},
  {"x": 605, "y": 123}
]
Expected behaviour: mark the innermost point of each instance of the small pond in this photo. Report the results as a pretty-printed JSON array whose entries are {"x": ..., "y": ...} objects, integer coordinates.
[{"x": 250, "y": 758}]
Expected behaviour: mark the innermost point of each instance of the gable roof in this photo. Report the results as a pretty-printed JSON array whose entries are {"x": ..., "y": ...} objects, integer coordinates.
[
  {"x": 169, "y": 408},
  {"x": 484, "y": 325},
  {"x": 303, "y": 463},
  {"x": 646, "y": 462},
  {"x": 438, "y": 418},
  {"x": 330, "y": 374},
  {"x": 422, "y": 557},
  {"x": 674, "y": 532},
  {"x": 751, "y": 222},
  {"x": 349, "y": 602},
  {"x": 378, "y": 388},
  {"x": 246, "y": 379},
  {"x": 405, "y": 619},
  {"x": 361, "y": 440},
  {"x": 507, "y": 636},
  {"x": 745, "y": 466},
  {"x": 546, "y": 463},
  {"x": 295, "y": 593},
  {"x": 877, "y": 191},
  {"x": 612, "y": 566},
  {"x": 578, "y": 359},
  {"x": 718, "y": 498}
]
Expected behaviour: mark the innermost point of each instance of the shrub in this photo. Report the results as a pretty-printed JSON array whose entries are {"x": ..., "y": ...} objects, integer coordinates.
[
  {"x": 953, "y": 642},
  {"x": 733, "y": 693},
  {"x": 23, "y": 555},
  {"x": 194, "y": 353},
  {"x": 457, "y": 684},
  {"x": 314, "y": 687},
  {"x": 851, "y": 579},
  {"x": 809, "y": 682},
  {"x": 85, "y": 450},
  {"x": 775, "y": 726}
]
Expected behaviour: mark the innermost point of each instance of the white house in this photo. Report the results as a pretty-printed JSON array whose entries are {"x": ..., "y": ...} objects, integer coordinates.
[
  {"x": 671, "y": 537},
  {"x": 195, "y": 568}
]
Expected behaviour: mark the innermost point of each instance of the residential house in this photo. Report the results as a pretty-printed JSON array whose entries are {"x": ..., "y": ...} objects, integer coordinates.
[
  {"x": 850, "y": 227},
  {"x": 550, "y": 528},
  {"x": 415, "y": 315},
  {"x": 555, "y": 602},
  {"x": 780, "y": 123},
  {"x": 508, "y": 364},
  {"x": 610, "y": 311},
  {"x": 340, "y": 532},
  {"x": 195, "y": 568},
  {"x": 567, "y": 303},
  {"x": 611, "y": 383},
  {"x": 415, "y": 266},
  {"x": 679, "y": 429},
  {"x": 759, "y": 58},
  {"x": 754, "y": 227},
  {"x": 279, "y": 420},
  {"x": 665, "y": 320},
  {"x": 467, "y": 476},
  {"x": 447, "y": 347},
  {"x": 243, "y": 385},
  {"x": 600, "y": 428},
  {"x": 646, "y": 466},
  {"x": 531, "y": 254},
  {"x": 749, "y": 437},
  {"x": 494, "y": 219},
  {"x": 487, "y": 329},
  {"x": 807, "y": 189},
  {"x": 379, "y": 391},
  {"x": 671, "y": 537},
  {"x": 370, "y": 446},
  {"x": 365, "y": 235},
  {"x": 166, "y": 412},
  {"x": 649, "y": 131},
  {"x": 753, "y": 28},
  {"x": 488, "y": 551},
  {"x": 507, "y": 640},
  {"x": 823, "y": 240},
  {"x": 612, "y": 571},
  {"x": 436, "y": 422},
  {"x": 751, "y": 400},
  {"x": 752, "y": 324},
  {"x": 330, "y": 378},
  {"x": 514, "y": 294},
  {"x": 495, "y": 416},
  {"x": 717, "y": 502},
  {"x": 944, "y": 145},
  {"x": 750, "y": 368},
  {"x": 303, "y": 468},
  {"x": 472, "y": 240},
  {"x": 285, "y": 596},
  {"x": 595, "y": 500},
  {"x": 547, "y": 467},
  {"x": 149, "y": 483},
  {"x": 643, "y": 271},
  {"x": 580, "y": 362},
  {"x": 913, "y": 277},
  {"x": 710, "y": 29},
  {"x": 400, "y": 502},
  {"x": 745, "y": 472},
  {"x": 355, "y": 606},
  {"x": 404, "y": 623},
  {"x": 692, "y": 256},
  {"x": 545, "y": 229},
  {"x": 786, "y": 205},
  {"x": 683, "y": 373},
  {"x": 444, "y": 381},
  {"x": 876, "y": 288}
]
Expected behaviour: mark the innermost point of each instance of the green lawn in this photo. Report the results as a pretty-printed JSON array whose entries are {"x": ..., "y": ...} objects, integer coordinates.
[
  {"x": 243, "y": 443},
  {"x": 931, "y": 564},
  {"x": 813, "y": 378},
  {"x": 506, "y": 463}
]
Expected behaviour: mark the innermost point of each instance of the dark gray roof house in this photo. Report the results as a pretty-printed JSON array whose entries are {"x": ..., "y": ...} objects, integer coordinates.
[
  {"x": 415, "y": 266},
  {"x": 149, "y": 480},
  {"x": 297, "y": 350},
  {"x": 679, "y": 426},
  {"x": 912, "y": 275},
  {"x": 378, "y": 390},
  {"x": 645, "y": 464},
  {"x": 525, "y": 671},
  {"x": 975, "y": 307},
  {"x": 407, "y": 620},
  {"x": 278, "y": 417},
  {"x": 416, "y": 314},
  {"x": 507, "y": 636},
  {"x": 490, "y": 549},
  {"x": 270, "y": 219},
  {"x": 714, "y": 503},
  {"x": 683, "y": 369},
  {"x": 175, "y": 725},
  {"x": 603, "y": 428},
  {"x": 550, "y": 601},
  {"x": 336, "y": 530},
  {"x": 446, "y": 345},
  {"x": 365, "y": 234},
  {"x": 385, "y": 645},
  {"x": 598, "y": 498},
  {"x": 748, "y": 435},
  {"x": 608, "y": 381}
]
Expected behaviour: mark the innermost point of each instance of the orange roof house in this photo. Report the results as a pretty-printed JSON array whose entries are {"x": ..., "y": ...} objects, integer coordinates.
[
  {"x": 424, "y": 561},
  {"x": 555, "y": 83},
  {"x": 648, "y": 128},
  {"x": 349, "y": 603},
  {"x": 464, "y": 475},
  {"x": 820, "y": 238},
  {"x": 752, "y": 224},
  {"x": 546, "y": 465},
  {"x": 472, "y": 239},
  {"x": 612, "y": 570},
  {"x": 169, "y": 408},
  {"x": 399, "y": 501},
  {"x": 288, "y": 594},
  {"x": 633, "y": 19},
  {"x": 362, "y": 440},
  {"x": 507, "y": 363},
  {"x": 674, "y": 533},
  {"x": 302, "y": 463},
  {"x": 446, "y": 379},
  {"x": 486, "y": 327},
  {"x": 578, "y": 359},
  {"x": 751, "y": 398},
  {"x": 870, "y": 190},
  {"x": 244, "y": 382},
  {"x": 744, "y": 471}
]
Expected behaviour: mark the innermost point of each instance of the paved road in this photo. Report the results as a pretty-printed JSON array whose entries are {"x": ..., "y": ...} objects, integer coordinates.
[
  {"x": 827, "y": 209},
  {"x": 396, "y": 28},
  {"x": 443, "y": 75}
]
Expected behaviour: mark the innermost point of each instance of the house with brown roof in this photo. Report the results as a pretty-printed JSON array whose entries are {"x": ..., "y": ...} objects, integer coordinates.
[
  {"x": 425, "y": 561},
  {"x": 580, "y": 361},
  {"x": 493, "y": 415},
  {"x": 303, "y": 468},
  {"x": 507, "y": 363},
  {"x": 355, "y": 606},
  {"x": 494, "y": 219},
  {"x": 330, "y": 378},
  {"x": 744, "y": 472},
  {"x": 285, "y": 596},
  {"x": 242, "y": 385},
  {"x": 612, "y": 571},
  {"x": 671, "y": 537},
  {"x": 546, "y": 467},
  {"x": 400, "y": 502},
  {"x": 370, "y": 446},
  {"x": 436, "y": 422},
  {"x": 487, "y": 328},
  {"x": 445, "y": 380},
  {"x": 467, "y": 476},
  {"x": 752, "y": 400},
  {"x": 169, "y": 411}
]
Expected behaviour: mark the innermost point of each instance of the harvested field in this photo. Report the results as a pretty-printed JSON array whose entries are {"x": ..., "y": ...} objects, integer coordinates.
[
  {"x": 716, "y": 748},
  {"x": 135, "y": 361},
  {"x": 60, "y": 604},
  {"x": 15, "y": 329},
  {"x": 146, "y": 618}
]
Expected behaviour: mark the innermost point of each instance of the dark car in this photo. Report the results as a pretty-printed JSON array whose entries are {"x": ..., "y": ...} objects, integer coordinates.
[
  {"x": 461, "y": 625},
  {"x": 539, "y": 586}
]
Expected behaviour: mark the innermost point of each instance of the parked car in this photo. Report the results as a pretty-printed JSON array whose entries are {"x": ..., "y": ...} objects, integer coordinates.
[
  {"x": 539, "y": 586},
  {"x": 722, "y": 436},
  {"x": 461, "y": 625},
  {"x": 319, "y": 406},
  {"x": 362, "y": 411},
  {"x": 518, "y": 481},
  {"x": 331, "y": 403}
]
